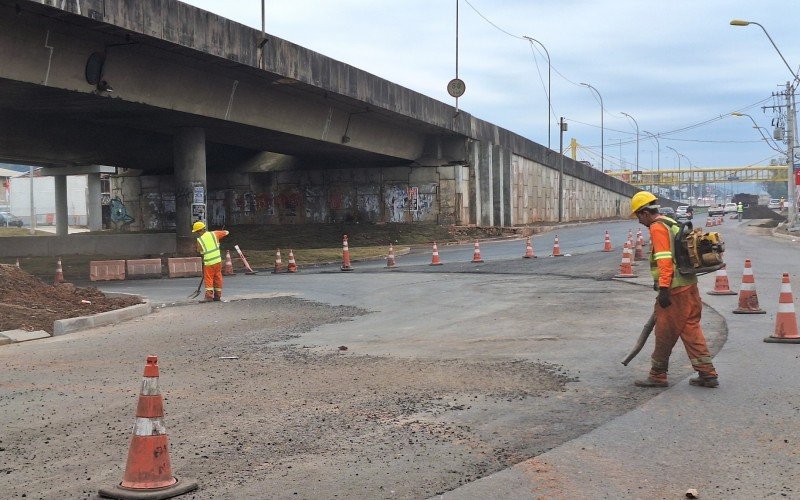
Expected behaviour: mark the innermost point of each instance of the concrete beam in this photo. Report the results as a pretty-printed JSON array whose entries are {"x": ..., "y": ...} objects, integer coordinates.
[{"x": 78, "y": 170}]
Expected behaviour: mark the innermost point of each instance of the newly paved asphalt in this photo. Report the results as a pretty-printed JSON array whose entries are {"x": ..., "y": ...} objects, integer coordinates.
[
  {"x": 740, "y": 440},
  {"x": 736, "y": 441}
]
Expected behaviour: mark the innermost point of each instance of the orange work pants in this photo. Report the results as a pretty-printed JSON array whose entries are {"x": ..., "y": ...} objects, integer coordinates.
[
  {"x": 680, "y": 319},
  {"x": 212, "y": 276}
]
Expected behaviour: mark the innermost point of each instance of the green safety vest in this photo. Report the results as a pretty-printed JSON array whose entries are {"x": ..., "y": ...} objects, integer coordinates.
[
  {"x": 210, "y": 245},
  {"x": 740, "y": 208},
  {"x": 678, "y": 279}
]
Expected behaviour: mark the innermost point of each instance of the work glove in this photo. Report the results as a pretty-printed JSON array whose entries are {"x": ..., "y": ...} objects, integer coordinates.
[{"x": 663, "y": 297}]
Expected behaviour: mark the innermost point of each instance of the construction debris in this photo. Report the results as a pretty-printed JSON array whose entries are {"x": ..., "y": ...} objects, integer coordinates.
[{"x": 26, "y": 303}]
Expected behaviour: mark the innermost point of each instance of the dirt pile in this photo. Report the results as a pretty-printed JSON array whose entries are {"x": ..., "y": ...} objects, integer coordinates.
[
  {"x": 29, "y": 304},
  {"x": 762, "y": 212}
]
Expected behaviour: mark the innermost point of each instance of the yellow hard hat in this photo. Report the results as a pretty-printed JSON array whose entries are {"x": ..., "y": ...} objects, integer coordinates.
[
  {"x": 641, "y": 200},
  {"x": 198, "y": 226}
]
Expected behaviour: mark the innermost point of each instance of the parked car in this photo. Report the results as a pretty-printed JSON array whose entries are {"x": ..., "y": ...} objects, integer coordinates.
[
  {"x": 774, "y": 204},
  {"x": 684, "y": 213},
  {"x": 730, "y": 208},
  {"x": 6, "y": 220},
  {"x": 716, "y": 211},
  {"x": 668, "y": 211}
]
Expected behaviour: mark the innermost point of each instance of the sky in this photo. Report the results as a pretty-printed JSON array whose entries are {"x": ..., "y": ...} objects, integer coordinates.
[{"x": 677, "y": 67}]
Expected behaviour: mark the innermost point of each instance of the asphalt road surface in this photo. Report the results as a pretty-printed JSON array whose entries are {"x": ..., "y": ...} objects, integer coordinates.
[{"x": 449, "y": 374}]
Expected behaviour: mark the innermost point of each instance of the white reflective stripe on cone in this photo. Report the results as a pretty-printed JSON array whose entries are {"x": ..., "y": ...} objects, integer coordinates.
[
  {"x": 149, "y": 427},
  {"x": 786, "y": 288},
  {"x": 748, "y": 287},
  {"x": 785, "y": 308},
  {"x": 150, "y": 384}
]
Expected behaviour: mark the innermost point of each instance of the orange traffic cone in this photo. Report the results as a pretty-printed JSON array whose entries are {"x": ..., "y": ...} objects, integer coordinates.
[
  {"x": 721, "y": 286},
  {"x": 630, "y": 235},
  {"x": 227, "y": 270},
  {"x": 435, "y": 259},
  {"x": 625, "y": 268},
  {"x": 292, "y": 266},
  {"x": 556, "y": 248},
  {"x": 345, "y": 255},
  {"x": 748, "y": 298},
  {"x": 708, "y": 222},
  {"x": 278, "y": 263},
  {"x": 528, "y": 249},
  {"x": 148, "y": 473},
  {"x": 786, "y": 319},
  {"x": 639, "y": 251},
  {"x": 390, "y": 262},
  {"x": 59, "y": 273},
  {"x": 607, "y": 243},
  {"x": 476, "y": 254},
  {"x": 18, "y": 263}
]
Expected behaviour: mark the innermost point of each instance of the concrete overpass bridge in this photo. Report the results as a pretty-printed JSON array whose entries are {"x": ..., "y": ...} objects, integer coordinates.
[{"x": 198, "y": 123}]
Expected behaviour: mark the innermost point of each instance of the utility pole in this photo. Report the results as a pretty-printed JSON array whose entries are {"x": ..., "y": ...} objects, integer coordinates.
[
  {"x": 562, "y": 127},
  {"x": 791, "y": 122}
]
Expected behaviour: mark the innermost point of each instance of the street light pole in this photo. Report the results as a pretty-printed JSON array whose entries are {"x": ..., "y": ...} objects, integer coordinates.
[
  {"x": 678, "y": 155},
  {"x": 658, "y": 155},
  {"x": 602, "y": 128},
  {"x": 791, "y": 114},
  {"x": 549, "y": 70},
  {"x": 637, "y": 138},
  {"x": 760, "y": 131},
  {"x": 691, "y": 188}
]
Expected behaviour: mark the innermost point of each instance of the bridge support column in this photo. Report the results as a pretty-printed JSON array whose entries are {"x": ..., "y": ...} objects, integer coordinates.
[
  {"x": 501, "y": 185},
  {"x": 485, "y": 190},
  {"x": 62, "y": 216},
  {"x": 93, "y": 203},
  {"x": 189, "y": 156}
]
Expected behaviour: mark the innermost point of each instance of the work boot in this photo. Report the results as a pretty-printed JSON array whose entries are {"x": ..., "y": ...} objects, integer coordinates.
[
  {"x": 651, "y": 382},
  {"x": 702, "y": 381}
]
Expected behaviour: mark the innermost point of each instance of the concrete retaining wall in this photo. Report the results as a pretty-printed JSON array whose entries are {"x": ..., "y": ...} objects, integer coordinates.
[
  {"x": 534, "y": 195},
  {"x": 389, "y": 194},
  {"x": 88, "y": 244}
]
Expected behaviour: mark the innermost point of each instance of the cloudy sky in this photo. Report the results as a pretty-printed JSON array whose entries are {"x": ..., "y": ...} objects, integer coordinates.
[{"x": 676, "y": 66}]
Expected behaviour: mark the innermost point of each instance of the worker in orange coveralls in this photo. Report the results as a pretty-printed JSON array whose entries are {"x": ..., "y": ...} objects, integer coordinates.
[
  {"x": 678, "y": 306},
  {"x": 208, "y": 247}
]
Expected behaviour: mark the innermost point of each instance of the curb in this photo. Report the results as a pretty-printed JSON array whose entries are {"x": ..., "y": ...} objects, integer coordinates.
[
  {"x": 64, "y": 326},
  {"x": 777, "y": 233},
  {"x": 17, "y": 336}
]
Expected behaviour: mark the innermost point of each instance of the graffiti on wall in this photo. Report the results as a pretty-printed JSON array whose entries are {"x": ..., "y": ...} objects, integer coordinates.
[
  {"x": 288, "y": 202},
  {"x": 396, "y": 202},
  {"x": 425, "y": 204},
  {"x": 314, "y": 202}
]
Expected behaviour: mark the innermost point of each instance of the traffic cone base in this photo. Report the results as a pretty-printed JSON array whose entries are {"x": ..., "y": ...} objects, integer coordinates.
[{"x": 180, "y": 487}]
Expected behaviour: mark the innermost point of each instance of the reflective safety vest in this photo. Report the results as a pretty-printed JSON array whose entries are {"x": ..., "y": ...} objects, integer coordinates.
[
  {"x": 210, "y": 245},
  {"x": 739, "y": 208},
  {"x": 678, "y": 279}
]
